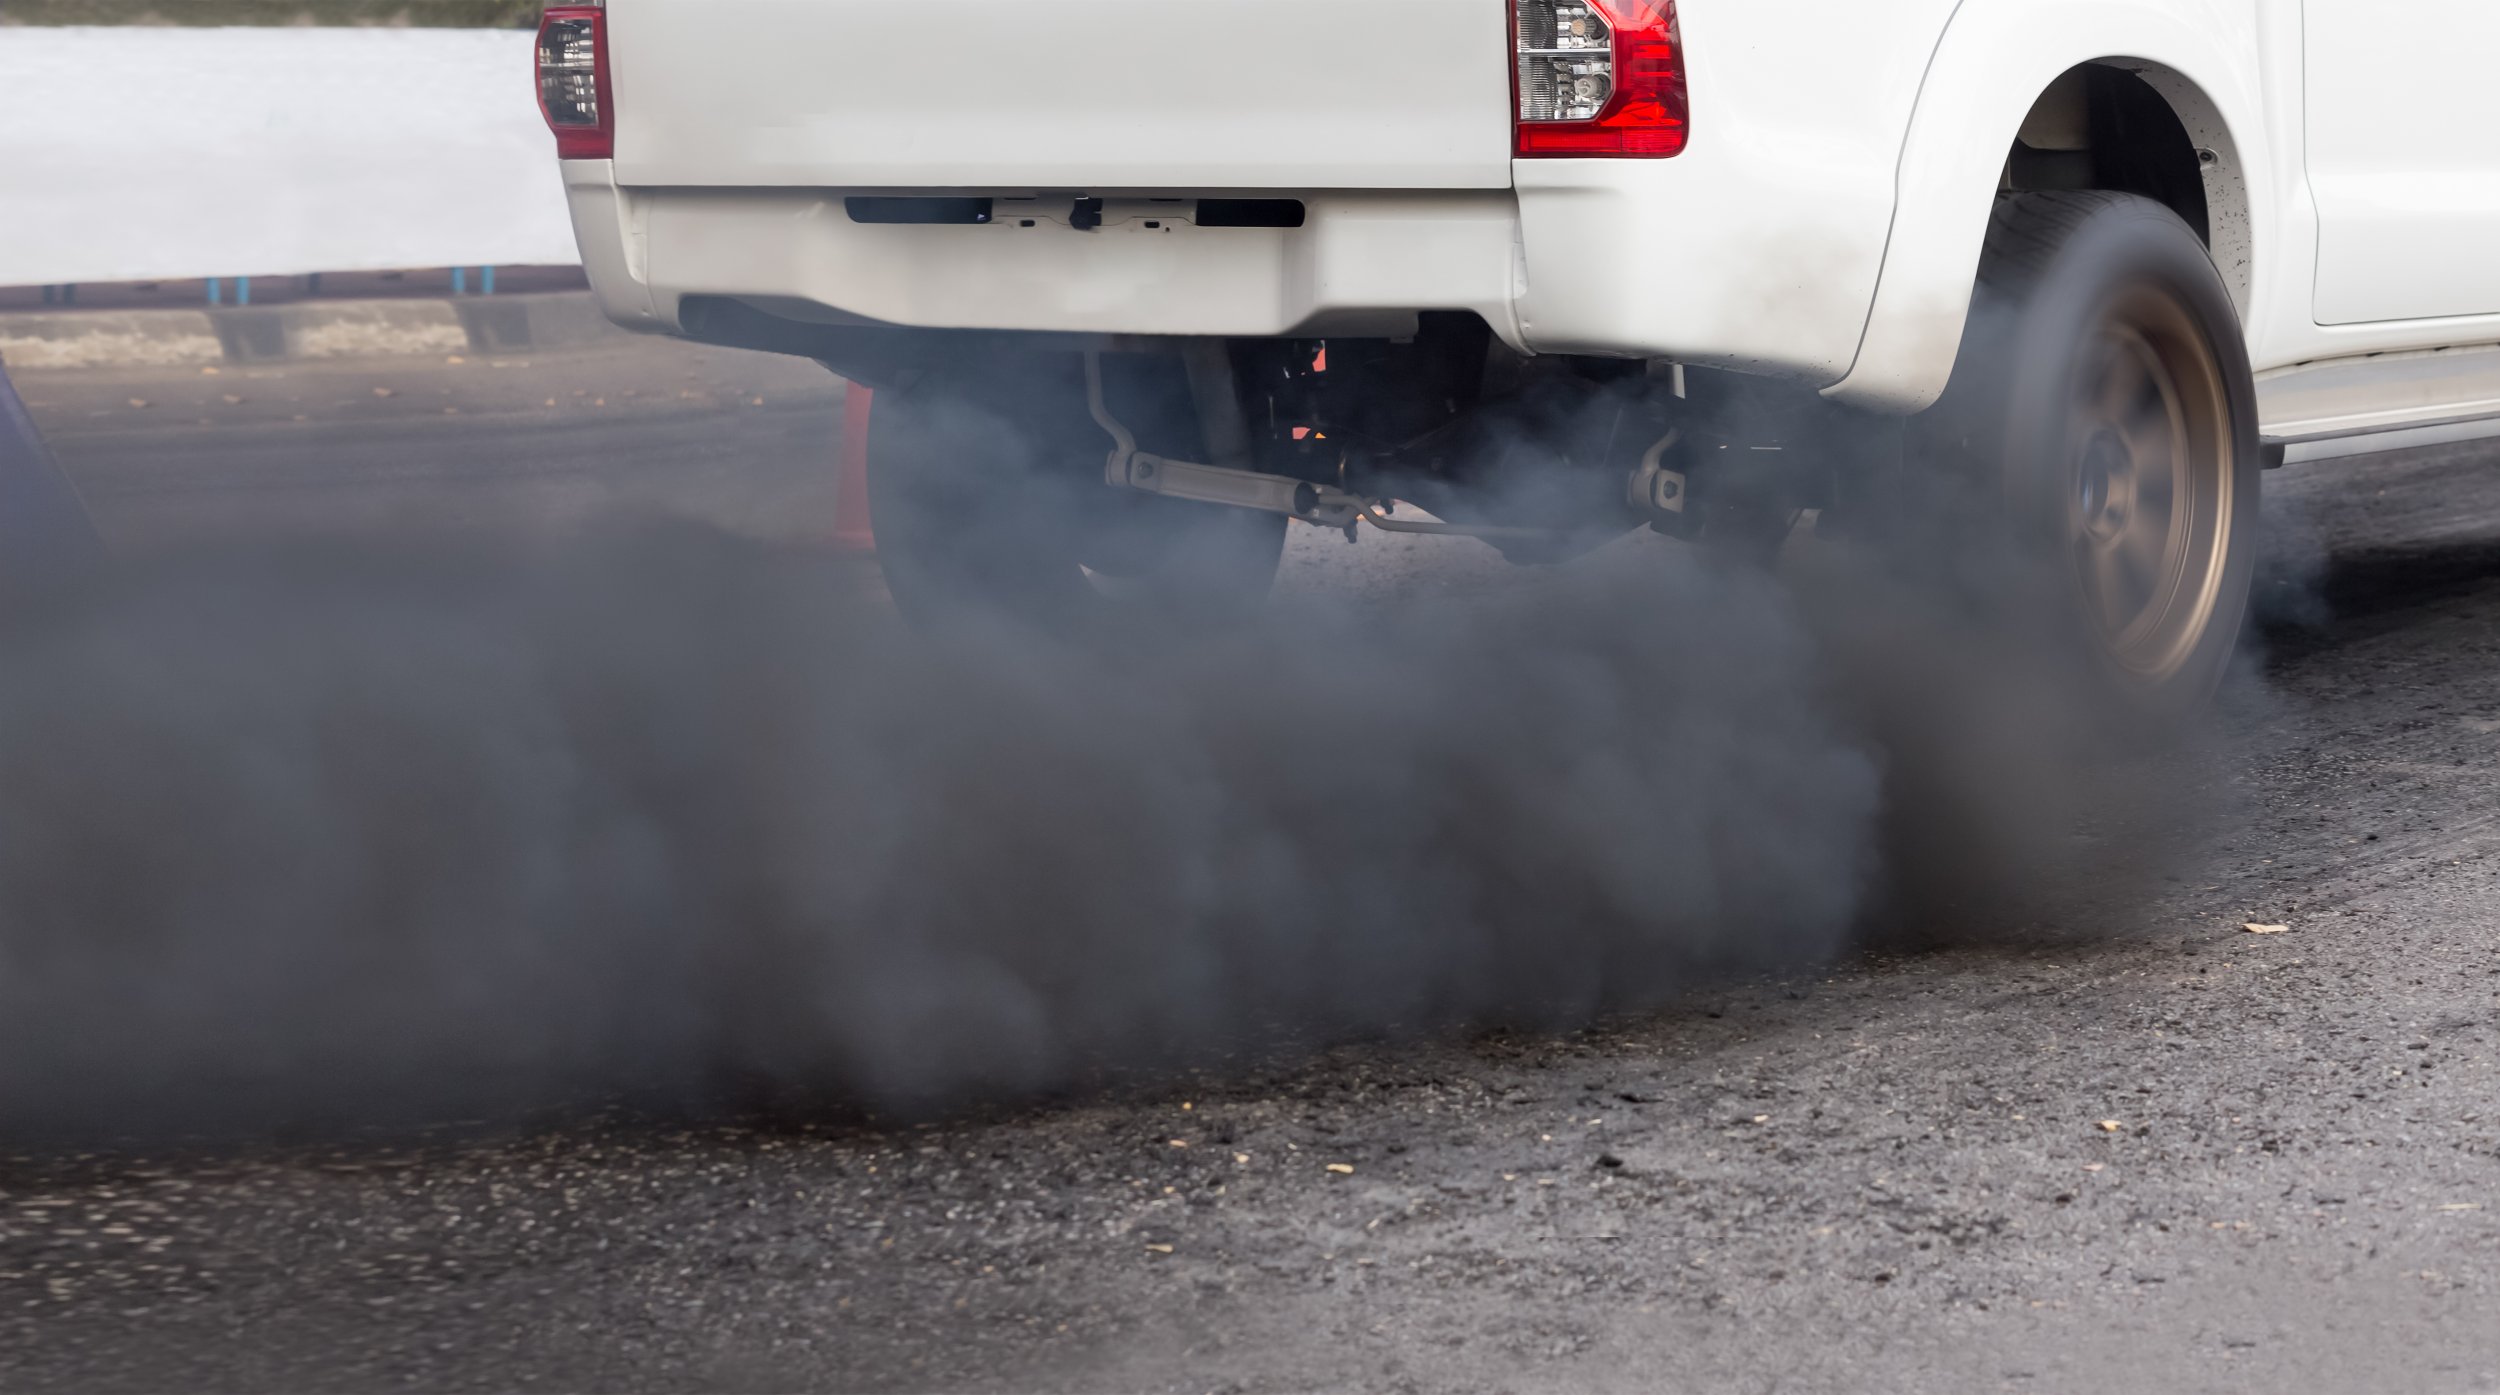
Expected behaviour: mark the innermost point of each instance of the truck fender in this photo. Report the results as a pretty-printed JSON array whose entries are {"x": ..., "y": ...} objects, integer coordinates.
[{"x": 1994, "y": 61}]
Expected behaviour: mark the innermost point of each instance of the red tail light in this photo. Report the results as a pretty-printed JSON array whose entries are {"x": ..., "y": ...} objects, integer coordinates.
[
  {"x": 573, "y": 87},
  {"x": 1600, "y": 78}
]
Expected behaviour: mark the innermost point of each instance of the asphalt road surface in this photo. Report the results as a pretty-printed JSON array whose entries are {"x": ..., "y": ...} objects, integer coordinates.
[{"x": 2159, "y": 1155}]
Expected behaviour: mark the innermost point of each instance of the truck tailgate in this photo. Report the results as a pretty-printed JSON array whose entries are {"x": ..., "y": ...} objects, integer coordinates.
[{"x": 1086, "y": 95}]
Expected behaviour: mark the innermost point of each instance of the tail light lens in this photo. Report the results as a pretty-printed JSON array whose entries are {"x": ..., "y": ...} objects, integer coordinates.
[
  {"x": 1600, "y": 78},
  {"x": 573, "y": 86}
]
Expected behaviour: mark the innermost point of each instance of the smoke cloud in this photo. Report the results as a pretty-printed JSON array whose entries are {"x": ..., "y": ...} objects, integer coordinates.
[{"x": 317, "y": 836}]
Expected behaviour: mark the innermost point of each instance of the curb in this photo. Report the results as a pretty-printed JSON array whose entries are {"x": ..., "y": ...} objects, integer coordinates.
[{"x": 310, "y": 330}]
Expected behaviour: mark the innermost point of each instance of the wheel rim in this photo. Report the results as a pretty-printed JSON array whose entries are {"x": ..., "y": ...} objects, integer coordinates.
[{"x": 2149, "y": 484}]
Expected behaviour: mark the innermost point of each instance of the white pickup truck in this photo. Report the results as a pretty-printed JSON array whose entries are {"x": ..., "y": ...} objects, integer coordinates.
[{"x": 1140, "y": 280}]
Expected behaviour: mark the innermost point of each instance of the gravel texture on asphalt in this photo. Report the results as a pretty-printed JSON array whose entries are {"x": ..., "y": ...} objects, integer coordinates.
[{"x": 2151, "y": 1152}]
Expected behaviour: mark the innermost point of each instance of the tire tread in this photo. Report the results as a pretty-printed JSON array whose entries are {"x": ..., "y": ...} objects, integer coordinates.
[{"x": 2026, "y": 231}]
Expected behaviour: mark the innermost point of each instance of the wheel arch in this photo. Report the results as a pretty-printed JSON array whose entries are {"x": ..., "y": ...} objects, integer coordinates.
[
  {"x": 2222, "y": 172},
  {"x": 1998, "y": 64}
]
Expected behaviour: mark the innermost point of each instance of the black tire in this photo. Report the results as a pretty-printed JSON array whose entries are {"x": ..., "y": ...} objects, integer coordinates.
[
  {"x": 2102, "y": 419},
  {"x": 989, "y": 506}
]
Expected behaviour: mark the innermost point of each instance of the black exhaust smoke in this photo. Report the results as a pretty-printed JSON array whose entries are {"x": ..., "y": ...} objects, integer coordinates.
[{"x": 332, "y": 836}]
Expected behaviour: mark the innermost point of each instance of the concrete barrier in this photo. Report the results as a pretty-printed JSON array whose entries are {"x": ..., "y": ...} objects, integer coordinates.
[
  {"x": 311, "y": 329},
  {"x": 147, "y": 154}
]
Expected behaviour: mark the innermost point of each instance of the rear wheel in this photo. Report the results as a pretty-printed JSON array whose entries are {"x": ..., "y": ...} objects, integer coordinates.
[
  {"x": 990, "y": 506},
  {"x": 2102, "y": 407}
]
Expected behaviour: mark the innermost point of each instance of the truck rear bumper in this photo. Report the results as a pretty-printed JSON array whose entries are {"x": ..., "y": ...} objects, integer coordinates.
[
  {"x": 1706, "y": 259},
  {"x": 1361, "y": 263}
]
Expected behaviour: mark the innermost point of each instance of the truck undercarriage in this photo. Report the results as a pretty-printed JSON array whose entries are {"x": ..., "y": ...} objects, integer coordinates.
[{"x": 1541, "y": 456}]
